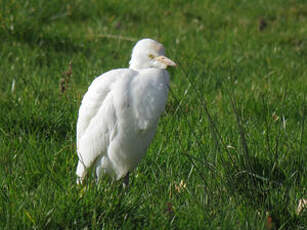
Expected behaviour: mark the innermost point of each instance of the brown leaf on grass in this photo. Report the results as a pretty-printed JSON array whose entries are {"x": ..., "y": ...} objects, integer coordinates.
[
  {"x": 269, "y": 223},
  {"x": 69, "y": 71},
  {"x": 275, "y": 117},
  {"x": 302, "y": 204},
  {"x": 64, "y": 82},
  {"x": 262, "y": 24},
  {"x": 170, "y": 208},
  {"x": 180, "y": 187},
  {"x": 62, "y": 85}
]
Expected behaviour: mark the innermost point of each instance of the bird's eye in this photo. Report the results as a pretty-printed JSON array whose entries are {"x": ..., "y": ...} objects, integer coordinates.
[{"x": 151, "y": 56}]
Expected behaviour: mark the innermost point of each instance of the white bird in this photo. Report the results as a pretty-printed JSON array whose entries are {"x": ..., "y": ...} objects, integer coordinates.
[{"x": 119, "y": 113}]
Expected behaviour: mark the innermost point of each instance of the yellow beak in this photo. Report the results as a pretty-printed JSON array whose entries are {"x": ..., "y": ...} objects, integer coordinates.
[{"x": 166, "y": 61}]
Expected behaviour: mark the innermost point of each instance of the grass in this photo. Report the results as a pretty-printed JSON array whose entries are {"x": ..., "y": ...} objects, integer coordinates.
[{"x": 230, "y": 151}]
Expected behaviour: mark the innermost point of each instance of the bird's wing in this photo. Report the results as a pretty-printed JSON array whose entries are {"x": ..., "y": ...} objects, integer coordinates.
[{"x": 97, "y": 119}]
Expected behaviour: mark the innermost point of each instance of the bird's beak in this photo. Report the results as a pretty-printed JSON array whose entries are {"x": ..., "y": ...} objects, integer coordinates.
[{"x": 165, "y": 61}]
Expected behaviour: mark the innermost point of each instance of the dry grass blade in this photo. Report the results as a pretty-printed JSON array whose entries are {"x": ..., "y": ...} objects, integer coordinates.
[{"x": 113, "y": 36}]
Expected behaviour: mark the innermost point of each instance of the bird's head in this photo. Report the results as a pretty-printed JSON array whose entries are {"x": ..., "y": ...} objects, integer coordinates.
[{"x": 148, "y": 53}]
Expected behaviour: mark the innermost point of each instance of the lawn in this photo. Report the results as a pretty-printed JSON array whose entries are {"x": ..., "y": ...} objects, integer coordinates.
[{"x": 231, "y": 148}]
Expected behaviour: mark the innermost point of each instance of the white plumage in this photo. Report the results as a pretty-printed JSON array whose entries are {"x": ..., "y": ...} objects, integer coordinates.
[{"x": 119, "y": 113}]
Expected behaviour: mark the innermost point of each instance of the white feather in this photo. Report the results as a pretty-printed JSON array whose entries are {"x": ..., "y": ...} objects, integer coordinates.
[{"x": 119, "y": 113}]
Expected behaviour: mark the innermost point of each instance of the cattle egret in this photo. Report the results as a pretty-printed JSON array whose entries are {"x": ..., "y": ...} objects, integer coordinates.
[{"x": 119, "y": 113}]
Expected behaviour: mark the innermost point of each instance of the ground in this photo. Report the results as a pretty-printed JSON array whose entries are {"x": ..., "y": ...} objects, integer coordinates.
[{"x": 230, "y": 150}]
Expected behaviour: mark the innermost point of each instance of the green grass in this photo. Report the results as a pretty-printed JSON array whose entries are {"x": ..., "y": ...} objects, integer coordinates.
[{"x": 234, "y": 130}]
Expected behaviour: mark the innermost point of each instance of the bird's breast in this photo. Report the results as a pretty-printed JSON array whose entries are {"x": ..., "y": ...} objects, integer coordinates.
[{"x": 148, "y": 97}]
